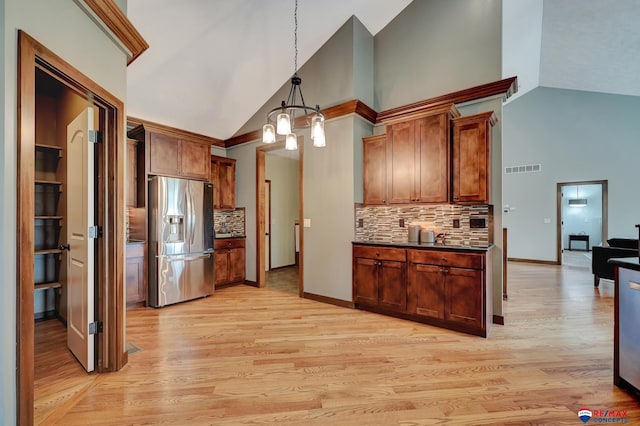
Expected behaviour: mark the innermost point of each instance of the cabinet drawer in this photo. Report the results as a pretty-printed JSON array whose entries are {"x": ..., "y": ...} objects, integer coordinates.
[
  {"x": 381, "y": 253},
  {"x": 447, "y": 258},
  {"x": 135, "y": 250},
  {"x": 228, "y": 243}
]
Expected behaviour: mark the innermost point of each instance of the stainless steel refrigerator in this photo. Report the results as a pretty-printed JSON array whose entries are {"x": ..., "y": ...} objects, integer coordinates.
[{"x": 180, "y": 240}]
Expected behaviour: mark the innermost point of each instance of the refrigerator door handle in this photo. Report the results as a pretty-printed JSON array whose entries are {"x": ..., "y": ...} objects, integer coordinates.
[
  {"x": 192, "y": 220},
  {"x": 185, "y": 258}
]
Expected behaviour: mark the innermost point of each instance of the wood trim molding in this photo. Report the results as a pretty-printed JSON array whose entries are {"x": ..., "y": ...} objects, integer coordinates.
[
  {"x": 354, "y": 106},
  {"x": 505, "y": 87},
  {"x": 118, "y": 23},
  {"x": 110, "y": 295},
  {"x": 178, "y": 133},
  {"x": 538, "y": 261},
  {"x": 328, "y": 300},
  {"x": 498, "y": 319}
]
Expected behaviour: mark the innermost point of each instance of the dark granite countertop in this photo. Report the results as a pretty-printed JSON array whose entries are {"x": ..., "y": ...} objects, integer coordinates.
[
  {"x": 230, "y": 237},
  {"x": 626, "y": 262},
  {"x": 431, "y": 246}
]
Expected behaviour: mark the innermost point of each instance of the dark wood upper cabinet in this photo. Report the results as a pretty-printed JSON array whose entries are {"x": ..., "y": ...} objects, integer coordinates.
[
  {"x": 223, "y": 177},
  {"x": 472, "y": 158},
  {"x": 400, "y": 162},
  {"x": 375, "y": 169},
  {"x": 178, "y": 157},
  {"x": 432, "y": 159},
  {"x": 194, "y": 159},
  {"x": 410, "y": 163}
]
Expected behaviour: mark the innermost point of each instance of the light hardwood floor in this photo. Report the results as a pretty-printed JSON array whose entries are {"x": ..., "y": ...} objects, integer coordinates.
[{"x": 260, "y": 356}]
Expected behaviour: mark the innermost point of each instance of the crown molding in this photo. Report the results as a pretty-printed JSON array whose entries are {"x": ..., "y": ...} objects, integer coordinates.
[
  {"x": 354, "y": 106},
  {"x": 505, "y": 87},
  {"x": 133, "y": 122},
  {"x": 117, "y": 26}
]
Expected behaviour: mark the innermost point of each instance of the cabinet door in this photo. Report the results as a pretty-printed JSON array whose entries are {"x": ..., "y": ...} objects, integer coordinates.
[
  {"x": 194, "y": 159},
  {"x": 131, "y": 186},
  {"x": 471, "y": 154},
  {"x": 227, "y": 184},
  {"x": 401, "y": 158},
  {"x": 374, "y": 170},
  {"x": 214, "y": 179},
  {"x": 164, "y": 155},
  {"x": 236, "y": 264},
  {"x": 221, "y": 266},
  {"x": 135, "y": 277},
  {"x": 365, "y": 275},
  {"x": 426, "y": 291},
  {"x": 432, "y": 170},
  {"x": 464, "y": 296},
  {"x": 392, "y": 285}
]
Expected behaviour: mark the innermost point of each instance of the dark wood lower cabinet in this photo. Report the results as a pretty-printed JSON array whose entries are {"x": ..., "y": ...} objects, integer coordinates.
[
  {"x": 445, "y": 288},
  {"x": 379, "y": 278},
  {"x": 136, "y": 277},
  {"x": 229, "y": 261}
]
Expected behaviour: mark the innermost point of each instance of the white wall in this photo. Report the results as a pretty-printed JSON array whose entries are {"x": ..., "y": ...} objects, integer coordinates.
[
  {"x": 285, "y": 188},
  {"x": 521, "y": 43},
  {"x": 575, "y": 136},
  {"x": 585, "y": 220},
  {"x": 74, "y": 37}
]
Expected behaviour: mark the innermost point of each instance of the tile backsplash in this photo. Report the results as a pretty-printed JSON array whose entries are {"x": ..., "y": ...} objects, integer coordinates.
[
  {"x": 382, "y": 223},
  {"x": 233, "y": 218}
]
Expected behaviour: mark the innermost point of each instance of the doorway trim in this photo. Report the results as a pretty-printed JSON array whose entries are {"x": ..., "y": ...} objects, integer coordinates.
[
  {"x": 110, "y": 197},
  {"x": 605, "y": 211},
  {"x": 261, "y": 152}
]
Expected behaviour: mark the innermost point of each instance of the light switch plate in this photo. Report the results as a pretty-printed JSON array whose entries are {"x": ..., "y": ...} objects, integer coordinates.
[{"x": 307, "y": 223}]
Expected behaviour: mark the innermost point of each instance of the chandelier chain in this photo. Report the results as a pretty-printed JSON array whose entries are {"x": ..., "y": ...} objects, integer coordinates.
[{"x": 295, "y": 38}]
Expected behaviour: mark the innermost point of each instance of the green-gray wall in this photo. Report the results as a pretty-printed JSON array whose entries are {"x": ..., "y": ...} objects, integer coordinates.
[
  {"x": 575, "y": 136},
  {"x": 76, "y": 38},
  {"x": 436, "y": 47}
]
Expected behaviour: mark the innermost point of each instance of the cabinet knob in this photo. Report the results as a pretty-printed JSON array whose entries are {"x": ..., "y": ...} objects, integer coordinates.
[
  {"x": 377, "y": 253},
  {"x": 444, "y": 259},
  {"x": 64, "y": 247}
]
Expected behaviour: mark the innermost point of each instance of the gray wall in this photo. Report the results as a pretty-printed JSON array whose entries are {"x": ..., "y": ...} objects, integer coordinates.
[
  {"x": 74, "y": 37},
  {"x": 284, "y": 174},
  {"x": 576, "y": 136},
  {"x": 436, "y": 47},
  {"x": 327, "y": 78}
]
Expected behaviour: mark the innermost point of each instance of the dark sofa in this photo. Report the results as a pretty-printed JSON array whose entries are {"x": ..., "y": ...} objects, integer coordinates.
[{"x": 618, "y": 247}]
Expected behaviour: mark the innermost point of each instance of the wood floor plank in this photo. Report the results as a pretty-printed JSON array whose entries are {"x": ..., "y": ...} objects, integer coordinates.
[{"x": 262, "y": 356}]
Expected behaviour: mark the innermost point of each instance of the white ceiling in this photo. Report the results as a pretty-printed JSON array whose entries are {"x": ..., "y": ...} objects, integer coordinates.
[{"x": 212, "y": 64}]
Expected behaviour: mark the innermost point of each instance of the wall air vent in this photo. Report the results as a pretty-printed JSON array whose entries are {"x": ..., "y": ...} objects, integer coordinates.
[{"x": 529, "y": 168}]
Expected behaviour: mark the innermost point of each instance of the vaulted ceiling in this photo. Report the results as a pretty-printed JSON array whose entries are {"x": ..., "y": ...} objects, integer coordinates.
[{"x": 213, "y": 63}]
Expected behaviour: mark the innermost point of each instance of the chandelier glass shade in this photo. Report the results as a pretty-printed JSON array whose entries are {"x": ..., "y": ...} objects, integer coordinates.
[{"x": 293, "y": 113}]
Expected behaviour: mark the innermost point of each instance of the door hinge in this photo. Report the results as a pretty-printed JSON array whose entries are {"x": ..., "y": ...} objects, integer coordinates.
[
  {"x": 95, "y": 231},
  {"x": 95, "y": 327},
  {"x": 95, "y": 136}
]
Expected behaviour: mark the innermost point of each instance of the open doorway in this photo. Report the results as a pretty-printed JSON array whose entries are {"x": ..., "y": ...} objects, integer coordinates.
[
  {"x": 44, "y": 82},
  {"x": 279, "y": 208},
  {"x": 582, "y": 220}
]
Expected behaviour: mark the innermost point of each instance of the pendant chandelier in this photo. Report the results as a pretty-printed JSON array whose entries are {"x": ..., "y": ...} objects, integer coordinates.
[{"x": 294, "y": 114}]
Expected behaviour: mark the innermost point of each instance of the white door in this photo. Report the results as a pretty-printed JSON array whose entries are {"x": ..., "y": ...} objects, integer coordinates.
[
  {"x": 267, "y": 225},
  {"x": 80, "y": 259}
]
